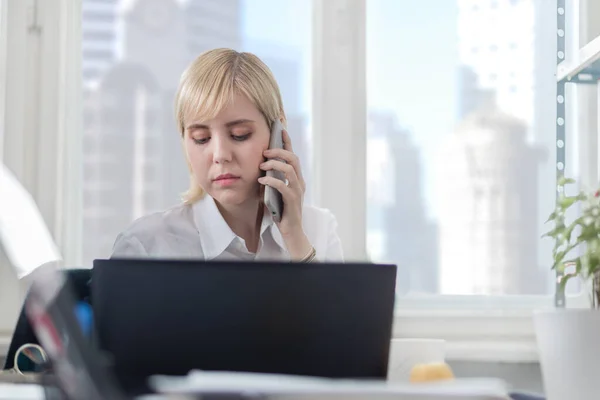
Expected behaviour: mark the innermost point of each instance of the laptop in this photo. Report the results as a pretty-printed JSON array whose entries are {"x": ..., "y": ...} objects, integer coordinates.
[
  {"x": 81, "y": 373},
  {"x": 170, "y": 317}
]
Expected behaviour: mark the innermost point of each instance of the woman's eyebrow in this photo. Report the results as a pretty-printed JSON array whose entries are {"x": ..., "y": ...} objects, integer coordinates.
[
  {"x": 196, "y": 126},
  {"x": 237, "y": 122},
  {"x": 229, "y": 124}
]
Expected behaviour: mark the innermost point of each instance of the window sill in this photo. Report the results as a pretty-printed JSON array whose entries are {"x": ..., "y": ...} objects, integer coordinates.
[
  {"x": 477, "y": 328},
  {"x": 492, "y": 335}
]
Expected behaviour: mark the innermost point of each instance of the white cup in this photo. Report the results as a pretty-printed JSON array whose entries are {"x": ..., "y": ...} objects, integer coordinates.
[{"x": 406, "y": 353}]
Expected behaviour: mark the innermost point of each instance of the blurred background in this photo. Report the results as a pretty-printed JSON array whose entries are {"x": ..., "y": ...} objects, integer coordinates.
[{"x": 437, "y": 187}]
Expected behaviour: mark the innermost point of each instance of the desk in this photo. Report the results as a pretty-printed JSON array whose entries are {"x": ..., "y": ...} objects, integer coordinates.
[
  {"x": 8, "y": 376},
  {"x": 15, "y": 386}
]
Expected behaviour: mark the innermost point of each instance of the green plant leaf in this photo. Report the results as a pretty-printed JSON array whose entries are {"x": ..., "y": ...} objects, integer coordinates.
[
  {"x": 588, "y": 233},
  {"x": 567, "y": 201},
  {"x": 558, "y": 259},
  {"x": 560, "y": 255},
  {"x": 564, "y": 279},
  {"x": 569, "y": 229},
  {"x": 552, "y": 216},
  {"x": 563, "y": 181},
  {"x": 560, "y": 267},
  {"x": 558, "y": 229},
  {"x": 593, "y": 265},
  {"x": 592, "y": 254}
]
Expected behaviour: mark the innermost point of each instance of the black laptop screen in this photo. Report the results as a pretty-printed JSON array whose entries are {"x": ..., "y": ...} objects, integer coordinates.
[{"x": 170, "y": 317}]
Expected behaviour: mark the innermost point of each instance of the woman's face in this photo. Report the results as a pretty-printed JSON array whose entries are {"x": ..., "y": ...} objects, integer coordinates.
[{"x": 226, "y": 151}]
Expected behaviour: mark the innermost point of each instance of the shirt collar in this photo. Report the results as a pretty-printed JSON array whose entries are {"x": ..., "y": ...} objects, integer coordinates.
[
  {"x": 216, "y": 235},
  {"x": 268, "y": 223}
]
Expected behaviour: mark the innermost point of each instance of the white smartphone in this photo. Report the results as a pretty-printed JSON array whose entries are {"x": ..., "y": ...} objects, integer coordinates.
[{"x": 272, "y": 197}]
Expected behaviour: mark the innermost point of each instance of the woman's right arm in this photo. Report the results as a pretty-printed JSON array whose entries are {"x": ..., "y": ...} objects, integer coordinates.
[{"x": 128, "y": 246}]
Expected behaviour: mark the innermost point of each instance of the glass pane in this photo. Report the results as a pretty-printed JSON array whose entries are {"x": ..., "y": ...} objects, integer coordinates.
[
  {"x": 133, "y": 54},
  {"x": 461, "y": 143}
]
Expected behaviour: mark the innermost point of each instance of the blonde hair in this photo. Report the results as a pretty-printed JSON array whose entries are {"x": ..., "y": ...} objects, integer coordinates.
[{"x": 210, "y": 83}]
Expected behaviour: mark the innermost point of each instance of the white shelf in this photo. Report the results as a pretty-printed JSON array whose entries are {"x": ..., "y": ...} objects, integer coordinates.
[{"x": 587, "y": 57}]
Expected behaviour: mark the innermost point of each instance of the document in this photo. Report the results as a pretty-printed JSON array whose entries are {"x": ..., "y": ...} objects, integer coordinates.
[{"x": 285, "y": 387}]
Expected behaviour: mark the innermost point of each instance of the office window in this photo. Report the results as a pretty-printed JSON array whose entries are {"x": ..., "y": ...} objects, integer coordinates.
[
  {"x": 133, "y": 52},
  {"x": 464, "y": 153}
]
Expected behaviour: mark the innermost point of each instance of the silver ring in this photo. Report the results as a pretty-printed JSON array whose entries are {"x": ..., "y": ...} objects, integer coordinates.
[
  {"x": 33, "y": 355},
  {"x": 287, "y": 183}
]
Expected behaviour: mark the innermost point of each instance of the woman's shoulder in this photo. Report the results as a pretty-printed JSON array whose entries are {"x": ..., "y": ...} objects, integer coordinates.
[
  {"x": 150, "y": 230},
  {"x": 170, "y": 219},
  {"x": 321, "y": 227},
  {"x": 318, "y": 217}
]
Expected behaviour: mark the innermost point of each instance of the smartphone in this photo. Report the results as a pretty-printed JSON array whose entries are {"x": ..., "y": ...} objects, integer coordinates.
[{"x": 272, "y": 197}]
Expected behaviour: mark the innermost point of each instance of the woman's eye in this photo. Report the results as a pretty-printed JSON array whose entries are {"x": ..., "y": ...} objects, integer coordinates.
[
  {"x": 200, "y": 140},
  {"x": 241, "y": 138}
]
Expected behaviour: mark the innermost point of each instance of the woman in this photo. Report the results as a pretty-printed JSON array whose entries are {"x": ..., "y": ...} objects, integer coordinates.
[{"x": 225, "y": 106}]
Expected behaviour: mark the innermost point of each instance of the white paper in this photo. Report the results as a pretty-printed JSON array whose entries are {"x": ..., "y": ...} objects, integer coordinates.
[
  {"x": 294, "y": 387},
  {"x": 12, "y": 391},
  {"x": 23, "y": 232}
]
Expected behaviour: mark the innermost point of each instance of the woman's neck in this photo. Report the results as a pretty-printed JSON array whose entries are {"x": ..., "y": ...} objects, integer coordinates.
[{"x": 245, "y": 221}]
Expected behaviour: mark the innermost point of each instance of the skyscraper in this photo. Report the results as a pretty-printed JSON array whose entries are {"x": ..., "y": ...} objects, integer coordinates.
[
  {"x": 395, "y": 186},
  {"x": 513, "y": 69},
  {"x": 123, "y": 155},
  {"x": 133, "y": 155},
  {"x": 496, "y": 39},
  {"x": 488, "y": 222},
  {"x": 99, "y": 37},
  {"x": 471, "y": 95},
  {"x": 212, "y": 23}
]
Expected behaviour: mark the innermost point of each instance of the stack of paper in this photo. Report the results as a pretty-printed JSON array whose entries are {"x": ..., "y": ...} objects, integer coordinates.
[{"x": 285, "y": 387}]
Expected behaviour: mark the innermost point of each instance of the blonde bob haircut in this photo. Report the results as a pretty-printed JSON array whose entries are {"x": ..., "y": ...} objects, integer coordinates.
[{"x": 209, "y": 84}]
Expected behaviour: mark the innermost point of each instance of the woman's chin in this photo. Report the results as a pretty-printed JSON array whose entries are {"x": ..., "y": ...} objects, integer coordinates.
[{"x": 230, "y": 197}]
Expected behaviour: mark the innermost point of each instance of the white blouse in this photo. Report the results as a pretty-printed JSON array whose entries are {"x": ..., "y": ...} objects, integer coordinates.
[{"x": 198, "y": 231}]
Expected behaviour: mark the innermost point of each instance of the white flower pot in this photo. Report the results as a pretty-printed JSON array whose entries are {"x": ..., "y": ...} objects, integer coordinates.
[{"x": 568, "y": 342}]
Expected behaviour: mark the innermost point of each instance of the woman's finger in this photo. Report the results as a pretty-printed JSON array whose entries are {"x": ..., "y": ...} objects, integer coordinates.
[
  {"x": 285, "y": 190},
  {"x": 287, "y": 169},
  {"x": 288, "y": 157},
  {"x": 285, "y": 155}
]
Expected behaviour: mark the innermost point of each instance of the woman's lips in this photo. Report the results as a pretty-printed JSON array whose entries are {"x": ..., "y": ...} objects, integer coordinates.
[{"x": 226, "y": 179}]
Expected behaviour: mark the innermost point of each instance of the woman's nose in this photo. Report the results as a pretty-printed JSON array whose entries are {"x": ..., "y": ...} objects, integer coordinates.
[{"x": 221, "y": 151}]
